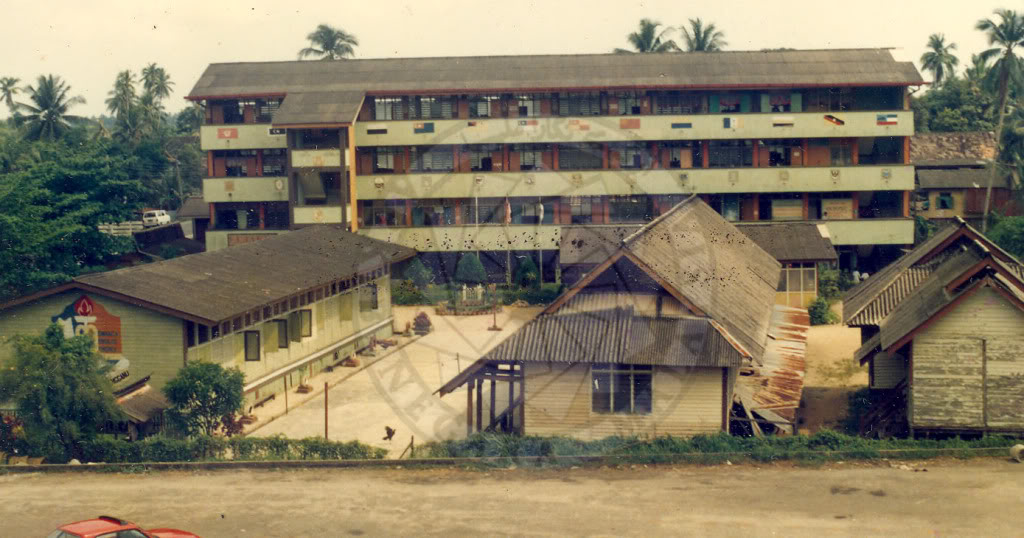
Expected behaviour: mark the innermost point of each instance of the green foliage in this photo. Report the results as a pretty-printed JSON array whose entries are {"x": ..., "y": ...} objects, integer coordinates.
[
  {"x": 648, "y": 39},
  {"x": 708, "y": 448},
  {"x": 828, "y": 282},
  {"x": 329, "y": 44},
  {"x": 161, "y": 449},
  {"x": 62, "y": 395},
  {"x": 527, "y": 274},
  {"x": 47, "y": 116},
  {"x": 820, "y": 312},
  {"x": 1008, "y": 233},
  {"x": 50, "y": 206},
  {"x": 170, "y": 251},
  {"x": 469, "y": 270},
  {"x": 923, "y": 229},
  {"x": 859, "y": 403},
  {"x": 404, "y": 292},
  {"x": 956, "y": 105},
  {"x": 418, "y": 273},
  {"x": 201, "y": 395}
]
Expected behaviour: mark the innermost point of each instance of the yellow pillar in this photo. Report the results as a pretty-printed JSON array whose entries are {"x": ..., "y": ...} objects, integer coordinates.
[{"x": 353, "y": 202}]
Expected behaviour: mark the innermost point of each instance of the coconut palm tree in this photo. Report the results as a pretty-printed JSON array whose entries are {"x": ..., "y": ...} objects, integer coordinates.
[
  {"x": 940, "y": 59},
  {"x": 8, "y": 89},
  {"x": 123, "y": 94},
  {"x": 1006, "y": 35},
  {"x": 156, "y": 81},
  {"x": 330, "y": 44},
  {"x": 976, "y": 73},
  {"x": 701, "y": 38},
  {"x": 47, "y": 117},
  {"x": 647, "y": 38}
]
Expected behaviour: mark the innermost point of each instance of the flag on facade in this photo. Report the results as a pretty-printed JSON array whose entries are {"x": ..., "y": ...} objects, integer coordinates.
[
  {"x": 887, "y": 119},
  {"x": 422, "y": 128}
]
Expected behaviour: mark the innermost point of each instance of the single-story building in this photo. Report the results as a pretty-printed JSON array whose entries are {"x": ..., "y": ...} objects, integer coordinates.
[
  {"x": 798, "y": 246},
  {"x": 650, "y": 341},
  {"x": 195, "y": 209},
  {"x": 942, "y": 331},
  {"x": 279, "y": 310}
]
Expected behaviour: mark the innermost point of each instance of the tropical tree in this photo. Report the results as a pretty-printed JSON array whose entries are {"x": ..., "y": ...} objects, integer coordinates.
[
  {"x": 702, "y": 38},
  {"x": 647, "y": 38},
  {"x": 976, "y": 73},
  {"x": 1007, "y": 35},
  {"x": 156, "y": 81},
  {"x": 940, "y": 59},
  {"x": 123, "y": 94},
  {"x": 47, "y": 117},
  {"x": 187, "y": 121},
  {"x": 62, "y": 395},
  {"x": 329, "y": 44},
  {"x": 8, "y": 89},
  {"x": 202, "y": 395}
]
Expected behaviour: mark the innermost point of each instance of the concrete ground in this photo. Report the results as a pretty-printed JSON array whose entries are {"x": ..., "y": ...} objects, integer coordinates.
[
  {"x": 397, "y": 390},
  {"x": 953, "y": 498}
]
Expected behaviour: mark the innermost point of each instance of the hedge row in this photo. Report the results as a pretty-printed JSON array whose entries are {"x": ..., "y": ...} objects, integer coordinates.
[
  {"x": 708, "y": 448},
  {"x": 162, "y": 449}
]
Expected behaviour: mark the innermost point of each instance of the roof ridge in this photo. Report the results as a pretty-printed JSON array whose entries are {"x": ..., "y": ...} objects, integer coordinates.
[{"x": 650, "y": 225}]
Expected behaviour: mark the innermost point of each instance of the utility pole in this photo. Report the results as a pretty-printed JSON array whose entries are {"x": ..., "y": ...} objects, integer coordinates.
[{"x": 325, "y": 410}]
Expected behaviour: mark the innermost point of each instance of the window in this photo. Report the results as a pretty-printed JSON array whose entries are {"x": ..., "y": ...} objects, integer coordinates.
[
  {"x": 276, "y": 215},
  {"x": 526, "y": 210},
  {"x": 282, "y": 333},
  {"x": 480, "y": 106},
  {"x": 265, "y": 109},
  {"x": 387, "y": 108},
  {"x": 730, "y": 153},
  {"x": 579, "y": 104},
  {"x": 828, "y": 99},
  {"x": 439, "y": 158},
  {"x": 433, "y": 212},
  {"x": 190, "y": 333},
  {"x": 680, "y": 103},
  {"x": 944, "y": 200},
  {"x": 306, "y": 323},
  {"x": 490, "y": 211},
  {"x": 779, "y": 102},
  {"x": 630, "y": 208},
  {"x": 580, "y": 157},
  {"x": 581, "y": 209},
  {"x": 204, "y": 334},
  {"x": 274, "y": 162},
  {"x": 434, "y": 107},
  {"x": 799, "y": 277},
  {"x": 530, "y": 156},
  {"x": 621, "y": 388},
  {"x": 729, "y": 103},
  {"x": 481, "y": 157},
  {"x": 633, "y": 155},
  {"x": 252, "y": 345},
  {"x": 384, "y": 159},
  {"x": 368, "y": 298},
  {"x": 528, "y": 106},
  {"x": 841, "y": 153},
  {"x": 384, "y": 213},
  {"x": 630, "y": 103}
]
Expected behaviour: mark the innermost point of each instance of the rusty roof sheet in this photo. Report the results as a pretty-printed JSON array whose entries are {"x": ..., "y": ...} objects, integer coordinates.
[
  {"x": 791, "y": 241},
  {"x": 737, "y": 69},
  {"x": 775, "y": 387},
  {"x": 618, "y": 336},
  {"x": 219, "y": 285}
]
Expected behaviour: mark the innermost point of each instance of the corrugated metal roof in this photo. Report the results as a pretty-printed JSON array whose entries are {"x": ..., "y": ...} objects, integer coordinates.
[
  {"x": 592, "y": 244},
  {"x": 319, "y": 107},
  {"x": 618, "y": 336},
  {"x": 959, "y": 178},
  {"x": 790, "y": 241},
  {"x": 194, "y": 208},
  {"x": 713, "y": 265},
  {"x": 483, "y": 73},
  {"x": 774, "y": 388},
  {"x": 219, "y": 285},
  {"x": 143, "y": 404}
]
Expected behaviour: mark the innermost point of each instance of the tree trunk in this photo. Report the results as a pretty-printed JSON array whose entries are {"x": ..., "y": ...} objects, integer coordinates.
[{"x": 1003, "y": 87}]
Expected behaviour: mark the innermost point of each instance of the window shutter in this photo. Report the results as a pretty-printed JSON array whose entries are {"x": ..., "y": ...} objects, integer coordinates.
[{"x": 270, "y": 336}]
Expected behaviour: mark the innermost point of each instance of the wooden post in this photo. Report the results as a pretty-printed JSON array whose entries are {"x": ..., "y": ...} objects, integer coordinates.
[
  {"x": 511, "y": 413},
  {"x": 493, "y": 386},
  {"x": 479, "y": 403},
  {"x": 469, "y": 408},
  {"x": 522, "y": 395},
  {"x": 286, "y": 393},
  {"x": 325, "y": 410}
]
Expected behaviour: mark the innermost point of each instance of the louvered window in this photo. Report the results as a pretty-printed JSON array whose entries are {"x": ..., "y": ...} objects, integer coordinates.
[
  {"x": 387, "y": 108},
  {"x": 621, "y": 388},
  {"x": 579, "y": 157},
  {"x": 579, "y": 104},
  {"x": 434, "y": 159}
]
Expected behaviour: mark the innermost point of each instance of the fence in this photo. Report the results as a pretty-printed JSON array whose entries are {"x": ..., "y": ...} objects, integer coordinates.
[{"x": 122, "y": 229}]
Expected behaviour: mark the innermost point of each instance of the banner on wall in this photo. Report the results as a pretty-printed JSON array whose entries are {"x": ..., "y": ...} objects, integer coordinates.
[{"x": 85, "y": 316}]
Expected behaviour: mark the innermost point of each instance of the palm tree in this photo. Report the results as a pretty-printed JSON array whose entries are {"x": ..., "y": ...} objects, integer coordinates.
[
  {"x": 48, "y": 116},
  {"x": 940, "y": 59},
  {"x": 648, "y": 39},
  {"x": 123, "y": 94},
  {"x": 130, "y": 124},
  {"x": 156, "y": 81},
  {"x": 330, "y": 44},
  {"x": 701, "y": 38},
  {"x": 976, "y": 73},
  {"x": 1006, "y": 35},
  {"x": 8, "y": 89},
  {"x": 151, "y": 110}
]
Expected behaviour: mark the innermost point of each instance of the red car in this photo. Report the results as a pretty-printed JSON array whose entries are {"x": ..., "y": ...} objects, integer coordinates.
[{"x": 112, "y": 527}]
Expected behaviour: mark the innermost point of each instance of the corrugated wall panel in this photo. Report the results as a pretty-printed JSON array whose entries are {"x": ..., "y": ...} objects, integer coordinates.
[{"x": 889, "y": 370}]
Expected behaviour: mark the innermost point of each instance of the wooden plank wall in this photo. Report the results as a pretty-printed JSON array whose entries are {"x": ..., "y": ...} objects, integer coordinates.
[
  {"x": 686, "y": 401},
  {"x": 969, "y": 367}
]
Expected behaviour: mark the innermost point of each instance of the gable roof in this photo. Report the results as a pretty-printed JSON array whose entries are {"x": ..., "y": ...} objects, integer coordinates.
[
  {"x": 729, "y": 69},
  {"x": 869, "y": 302},
  {"x": 960, "y": 178},
  {"x": 706, "y": 263},
  {"x": 194, "y": 207},
  {"x": 791, "y": 241},
  {"x": 211, "y": 287},
  {"x": 303, "y": 108}
]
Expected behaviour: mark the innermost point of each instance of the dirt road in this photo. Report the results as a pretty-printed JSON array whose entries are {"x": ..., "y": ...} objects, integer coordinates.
[{"x": 979, "y": 498}]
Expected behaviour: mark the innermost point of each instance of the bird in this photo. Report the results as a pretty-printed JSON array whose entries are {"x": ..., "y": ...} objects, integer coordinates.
[{"x": 390, "y": 433}]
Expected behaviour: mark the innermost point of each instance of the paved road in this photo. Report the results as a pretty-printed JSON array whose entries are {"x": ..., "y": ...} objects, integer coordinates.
[{"x": 979, "y": 498}]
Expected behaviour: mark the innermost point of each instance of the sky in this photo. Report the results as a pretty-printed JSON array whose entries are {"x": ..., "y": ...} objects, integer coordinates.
[{"x": 88, "y": 43}]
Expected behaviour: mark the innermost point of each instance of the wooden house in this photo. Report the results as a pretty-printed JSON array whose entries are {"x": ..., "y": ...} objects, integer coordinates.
[
  {"x": 653, "y": 340},
  {"x": 943, "y": 334}
]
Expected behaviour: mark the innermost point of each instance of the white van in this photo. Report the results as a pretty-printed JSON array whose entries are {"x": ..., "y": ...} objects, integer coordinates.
[{"x": 155, "y": 218}]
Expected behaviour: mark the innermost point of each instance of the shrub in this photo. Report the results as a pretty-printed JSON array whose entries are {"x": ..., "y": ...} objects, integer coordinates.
[
  {"x": 828, "y": 282},
  {"x": 821, "y": 314},
  {"x": 161, "y": 449},
  {"x": 418, "y": 273},
  {"x": 405, "y": 292},
  {"x": 527, "y": 274},
  {"x": 543, "y": 295},
  {"x": 469, "y": 270}
]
